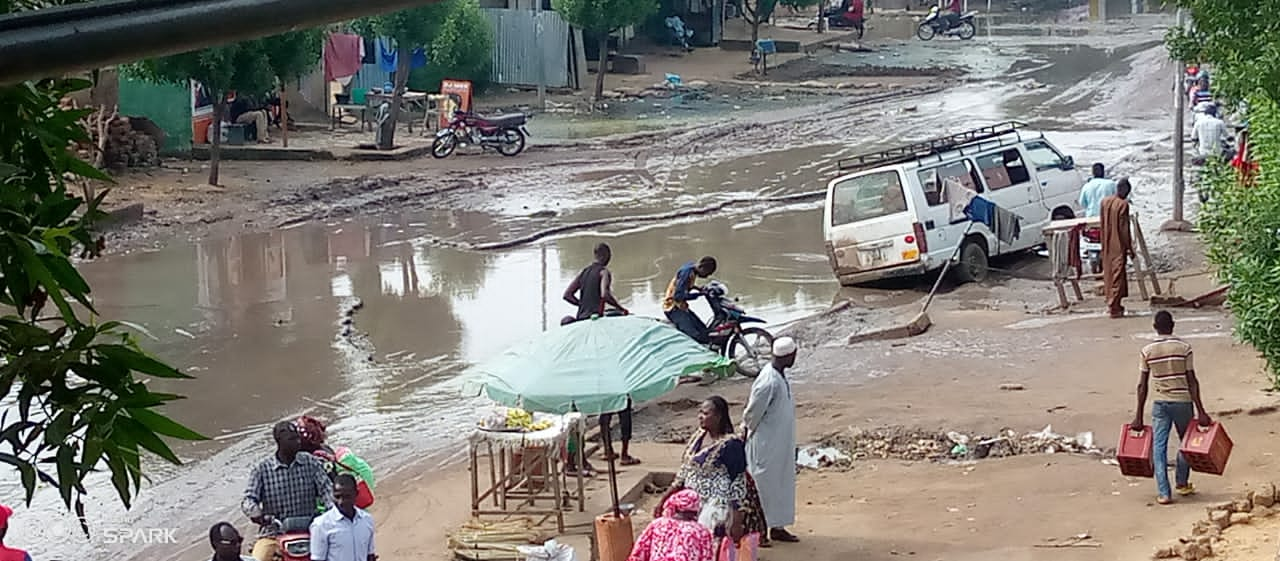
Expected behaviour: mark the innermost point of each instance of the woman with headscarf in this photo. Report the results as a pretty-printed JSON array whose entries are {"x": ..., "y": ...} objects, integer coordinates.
[
  {"x": 676, "y": 535},
  {"x": 715, "y": 467},
  {"x": 339, "y": 460}
]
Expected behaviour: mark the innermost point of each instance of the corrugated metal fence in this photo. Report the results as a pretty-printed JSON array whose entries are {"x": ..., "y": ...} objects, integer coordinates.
[{"x": 517, "y": 54}]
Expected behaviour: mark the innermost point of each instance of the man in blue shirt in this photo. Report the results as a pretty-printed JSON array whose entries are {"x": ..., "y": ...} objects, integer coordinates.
[
  {"x": 1094, "y": 190},
  {"x": 345, "y": 532}
]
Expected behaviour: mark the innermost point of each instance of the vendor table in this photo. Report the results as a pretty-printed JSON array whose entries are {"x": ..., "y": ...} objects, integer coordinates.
[
  {"x": 526, "y": 471},
  {"x": 408, "y": 101}
]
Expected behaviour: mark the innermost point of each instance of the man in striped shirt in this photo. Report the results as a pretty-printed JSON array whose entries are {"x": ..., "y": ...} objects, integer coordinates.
[{"x": 1166, "y": 364}]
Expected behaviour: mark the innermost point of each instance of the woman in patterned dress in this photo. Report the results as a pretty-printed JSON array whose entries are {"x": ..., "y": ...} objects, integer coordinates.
[
  {"x": 677, "y": 535},
  {"x": 715, "y": 467}
]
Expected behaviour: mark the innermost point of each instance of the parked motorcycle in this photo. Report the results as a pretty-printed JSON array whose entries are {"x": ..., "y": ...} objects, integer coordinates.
[
  {"x": 934, "y": 24},
  {"x": 1091, "y": 249},
  {"x": 836, "y": 20},
  {"x": 294, "y": 539},
  {"x": 504, "y": 133},
  {"x": 751, "y": 348}
]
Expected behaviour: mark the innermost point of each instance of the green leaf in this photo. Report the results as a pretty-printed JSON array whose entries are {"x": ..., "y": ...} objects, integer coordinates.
[
  {"x": 164, "y": 425},
  {"x": 147, "y": 439},
  {"x": 138, "y": 361}
]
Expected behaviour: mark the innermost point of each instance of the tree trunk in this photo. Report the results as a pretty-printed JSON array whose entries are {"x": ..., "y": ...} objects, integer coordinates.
[
  {"x": 603, "y": 66},
  {"x": 284, "y": 113},
  {"x": 393, "y": 117},
  {"x": 822, "y": 22},
  {"x": 215, "y": 149}
]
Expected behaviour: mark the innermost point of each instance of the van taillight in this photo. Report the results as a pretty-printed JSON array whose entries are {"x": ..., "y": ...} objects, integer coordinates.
[{"x": 921, "y": 241}]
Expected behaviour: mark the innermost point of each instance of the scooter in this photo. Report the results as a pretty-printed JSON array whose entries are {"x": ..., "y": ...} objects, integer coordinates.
[
  {"x": 835, "y": 20},
  {"x": 934, "y": 24},
  {"x": 751, "y": 348}
]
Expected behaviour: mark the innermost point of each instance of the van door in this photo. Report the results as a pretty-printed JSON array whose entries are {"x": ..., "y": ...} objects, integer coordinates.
[
  {"x": 944, "y": 218},
  {"x": 869, "y": 223},
  {"x": 1060, "y": 181},
  {"x": 1012, "y": 185}
]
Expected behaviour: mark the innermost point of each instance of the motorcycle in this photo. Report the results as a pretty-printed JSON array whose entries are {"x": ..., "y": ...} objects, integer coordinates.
[
  {"x": 751, "y": 348},
  {"x": 1091, "y": 249},
  {"x": 934, "y": 24},
  {"x": 294, "y": 538},
  {"x": 504, "y": 133},
  {"x": 836, "y": 20}
]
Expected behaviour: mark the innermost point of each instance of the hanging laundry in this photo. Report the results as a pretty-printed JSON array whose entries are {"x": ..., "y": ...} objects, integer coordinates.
[
  {"x": 341, "y": 56},
  {"x": 389, "y": 57},
  {"x": 419, "y": 58},
  {"x": 957, "y": 197},
  {"x": 1006, "y": 225},
  {"x": 369, "y": 51}
]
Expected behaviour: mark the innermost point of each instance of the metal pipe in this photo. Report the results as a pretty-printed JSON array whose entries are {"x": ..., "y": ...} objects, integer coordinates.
[{"x": 73, "y": 38}]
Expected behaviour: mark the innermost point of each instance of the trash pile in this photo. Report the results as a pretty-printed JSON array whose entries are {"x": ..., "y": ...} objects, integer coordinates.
[
  {"x": 917, "y": 445},
  {"x": 823, "y": 458}
]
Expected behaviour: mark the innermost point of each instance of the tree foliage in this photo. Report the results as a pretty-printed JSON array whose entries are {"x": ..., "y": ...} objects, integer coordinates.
[
  {"x": 251, "y": 66},
  {"x": 409, "y": 30},
  {"x": 78, "y": 404},
  {"x": 1241, "y": 227},
  {"x": 602, "y": 17},
  {"x": 463, "y": 49},
  {"x": 1239, "y": 38}
]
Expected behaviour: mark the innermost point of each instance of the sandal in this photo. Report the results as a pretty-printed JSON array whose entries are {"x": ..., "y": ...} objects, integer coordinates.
[
  {"x": 1185, "y": 490},
  {"x": 1164, "y": 501},
  {"x": 630, "y": 461}
]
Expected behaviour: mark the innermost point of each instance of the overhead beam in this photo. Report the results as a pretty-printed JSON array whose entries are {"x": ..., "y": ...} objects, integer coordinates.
[{"x": 59, "y": 40}]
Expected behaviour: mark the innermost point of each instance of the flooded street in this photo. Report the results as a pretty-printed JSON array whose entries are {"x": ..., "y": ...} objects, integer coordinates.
[{"x": 258, "y": 318}]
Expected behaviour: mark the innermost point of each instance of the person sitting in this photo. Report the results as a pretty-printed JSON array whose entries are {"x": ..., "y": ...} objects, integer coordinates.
[
  {"x": 680, "y": 291},
  {"x": 337, "y": 461},
  {"x": 226, "y": 541},
  {"x": 241, "y": 111},
  {"x": 287, "y": 484},
  {"x": 676, "y": 534},
  {"x": 951, "y": 17}
]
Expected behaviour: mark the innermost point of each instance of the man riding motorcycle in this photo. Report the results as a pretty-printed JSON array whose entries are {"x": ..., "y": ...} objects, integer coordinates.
[
  {"x": 288, "y": 484},
  {"x": 680, "y": 291},
  {"x": 952, "y": 15}
]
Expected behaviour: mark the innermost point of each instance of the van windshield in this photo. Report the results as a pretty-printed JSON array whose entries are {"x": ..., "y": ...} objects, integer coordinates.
[{"x": 866, "y": 197}]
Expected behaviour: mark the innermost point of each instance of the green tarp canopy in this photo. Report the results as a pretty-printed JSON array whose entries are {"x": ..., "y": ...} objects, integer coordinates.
[{"x": 592, "y": 366}]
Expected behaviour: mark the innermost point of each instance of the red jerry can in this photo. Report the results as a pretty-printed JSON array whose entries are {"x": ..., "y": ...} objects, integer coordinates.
[
  {"x": 1207, "y": 448},
  {"x": 1134, "y": 451}
]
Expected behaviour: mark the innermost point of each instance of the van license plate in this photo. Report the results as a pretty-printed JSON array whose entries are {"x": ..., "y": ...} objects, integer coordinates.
[{"x": 871, "y": 257}]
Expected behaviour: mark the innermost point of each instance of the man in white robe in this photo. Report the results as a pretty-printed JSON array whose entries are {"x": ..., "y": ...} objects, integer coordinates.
[{"x": 770, "y": 425}]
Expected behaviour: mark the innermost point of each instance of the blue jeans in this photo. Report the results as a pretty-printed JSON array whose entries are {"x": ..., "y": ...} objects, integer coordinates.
[
  {"x": 1166, "y": 415},
  {"x": 689, "y": 323}
]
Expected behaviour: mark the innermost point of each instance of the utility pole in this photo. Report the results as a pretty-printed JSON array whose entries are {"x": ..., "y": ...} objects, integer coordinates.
[
  {"x": 544, "y": 285},
  {"x": 1177, "y": 222},
  {"x": 542, "y": 65}
]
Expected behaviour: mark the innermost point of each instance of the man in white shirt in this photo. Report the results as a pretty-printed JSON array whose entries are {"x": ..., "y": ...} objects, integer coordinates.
[
  {"x": 1096, "y": 189},
  {"x": 1210, "y": 133},
  {"x": 343, "y": 533}
]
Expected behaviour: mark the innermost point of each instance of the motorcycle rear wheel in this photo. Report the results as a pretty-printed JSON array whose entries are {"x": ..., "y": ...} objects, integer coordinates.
[
  {"x": 443, "y": 146},
  {"x": 925, "y": 32},
  {"x": 967, "y": 30},
  {"x": 511, "y": 143},
  {"x": 756, "y": 346}
]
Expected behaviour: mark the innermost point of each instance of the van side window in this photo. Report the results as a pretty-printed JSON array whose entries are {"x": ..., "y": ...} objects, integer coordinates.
[
  {"x": 1043, "y": 156},
  {"x": 866, "y": 197},
  {"x": 934, "y": 181},
  {"x": 1003, "y": 169}
]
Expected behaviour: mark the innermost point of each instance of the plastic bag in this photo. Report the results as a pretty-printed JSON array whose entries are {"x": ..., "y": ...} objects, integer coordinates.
[{"x": 549, "y": 551}]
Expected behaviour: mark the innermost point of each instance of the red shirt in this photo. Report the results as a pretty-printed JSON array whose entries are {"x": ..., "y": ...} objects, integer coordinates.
[
  {"x": 12, "y": 554},
  {"x": 955, "y": 6}
]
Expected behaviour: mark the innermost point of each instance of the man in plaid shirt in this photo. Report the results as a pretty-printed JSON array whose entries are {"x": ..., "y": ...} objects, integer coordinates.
[{"x": 288, "y": 484}]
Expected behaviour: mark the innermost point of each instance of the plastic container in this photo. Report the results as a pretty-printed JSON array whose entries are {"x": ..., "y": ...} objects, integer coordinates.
[
  {"x": 614, "y": 537},
  {"x": 1207, "y": 448},
  {"x": 1134, "y": 451}
]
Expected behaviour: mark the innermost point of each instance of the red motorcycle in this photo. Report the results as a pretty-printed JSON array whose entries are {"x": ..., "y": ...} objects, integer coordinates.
[
  {"x": 294, "y": 539},
  {"x": 504, "y": 133}
]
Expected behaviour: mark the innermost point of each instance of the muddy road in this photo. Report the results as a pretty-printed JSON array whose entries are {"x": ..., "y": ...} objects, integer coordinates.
[{"x": 258, "y": 316}]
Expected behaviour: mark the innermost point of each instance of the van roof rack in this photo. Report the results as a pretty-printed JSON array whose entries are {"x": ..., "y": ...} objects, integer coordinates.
[{"x": 927, "y": 148}]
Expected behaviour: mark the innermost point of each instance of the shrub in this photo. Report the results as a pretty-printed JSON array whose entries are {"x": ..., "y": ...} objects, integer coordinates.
[
  {"x": 1241, "y": 227},
  {"x": 462, "y": 50}
]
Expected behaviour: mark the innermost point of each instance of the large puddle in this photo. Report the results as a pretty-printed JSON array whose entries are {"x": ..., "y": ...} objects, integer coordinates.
[{"x": 257, "y": 318}]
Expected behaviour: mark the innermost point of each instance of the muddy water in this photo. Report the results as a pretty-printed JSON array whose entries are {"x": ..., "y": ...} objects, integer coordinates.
[{"x": 256, "y": 318}]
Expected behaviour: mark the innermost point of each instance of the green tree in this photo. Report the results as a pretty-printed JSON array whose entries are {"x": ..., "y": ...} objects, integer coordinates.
[
  {"x": 251, "y": 66},
  {"x": 408, "y": 30},
  {"x": 756, "y": 12},
  {"x": 79, "y": 405},
  {"x": 602, "y": 17},
  {"x": 462, "y": 50},
  {"x": 291, "y": 56},
  {"x": 1241, "y": 41}
]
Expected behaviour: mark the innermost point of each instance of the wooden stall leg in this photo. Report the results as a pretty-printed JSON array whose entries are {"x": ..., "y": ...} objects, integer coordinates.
[{"x": 475, "y": 481}]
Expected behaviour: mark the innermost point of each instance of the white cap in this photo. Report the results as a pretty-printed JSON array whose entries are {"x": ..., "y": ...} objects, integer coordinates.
[{"x": 784, "y": 346}]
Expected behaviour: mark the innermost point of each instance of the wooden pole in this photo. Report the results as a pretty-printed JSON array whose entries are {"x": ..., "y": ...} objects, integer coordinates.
[
  {"x": 1177, "y": 221},
  {"x": 284, "y": 114}
]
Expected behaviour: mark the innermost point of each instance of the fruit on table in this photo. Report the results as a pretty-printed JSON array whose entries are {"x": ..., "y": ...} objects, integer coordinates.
[{"x": 520, "y": 419}]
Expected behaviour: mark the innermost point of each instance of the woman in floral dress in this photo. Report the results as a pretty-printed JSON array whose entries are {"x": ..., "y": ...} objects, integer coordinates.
[
  {"x": 715, "y": 467},
  {"x": 677, "y": 535}
]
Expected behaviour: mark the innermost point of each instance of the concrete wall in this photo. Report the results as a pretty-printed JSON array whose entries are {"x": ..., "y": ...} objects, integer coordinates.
[{"x": 167, "y": 105}]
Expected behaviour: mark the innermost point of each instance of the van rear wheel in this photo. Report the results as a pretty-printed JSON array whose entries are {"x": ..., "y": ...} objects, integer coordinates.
[{"x": 973, "y": 262}]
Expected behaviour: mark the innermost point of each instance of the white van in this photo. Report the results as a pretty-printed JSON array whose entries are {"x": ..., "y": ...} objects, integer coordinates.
[{"x": 889, "y": 214}]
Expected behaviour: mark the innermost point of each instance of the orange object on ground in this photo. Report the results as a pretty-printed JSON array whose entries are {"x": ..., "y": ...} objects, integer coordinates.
[
  {"x": 1134, "y": 451},
  {"x": 1207, "y": 448},
  {"x": 614, "y": 537}
]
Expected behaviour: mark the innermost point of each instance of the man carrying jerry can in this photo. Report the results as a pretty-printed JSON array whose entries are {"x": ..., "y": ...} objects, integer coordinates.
[{"x": 1166, "y": 364}]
